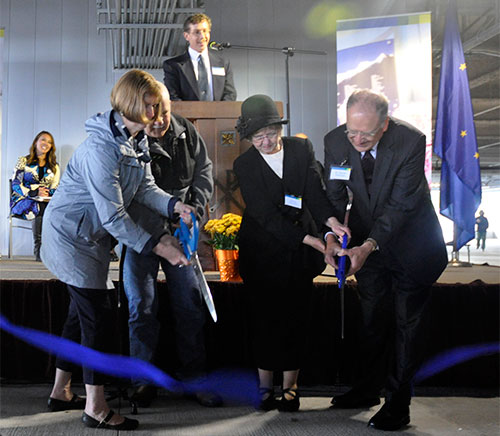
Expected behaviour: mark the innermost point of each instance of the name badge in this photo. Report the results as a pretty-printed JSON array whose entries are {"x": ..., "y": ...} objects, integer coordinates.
[
  {"x": 340, "y": 173},
  {"x": 291, "y": 200},
  {"x": 218, "y": 71}
]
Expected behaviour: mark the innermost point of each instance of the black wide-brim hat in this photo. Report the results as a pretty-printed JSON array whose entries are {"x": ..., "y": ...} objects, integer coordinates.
[{"x": 257, "y": 112}]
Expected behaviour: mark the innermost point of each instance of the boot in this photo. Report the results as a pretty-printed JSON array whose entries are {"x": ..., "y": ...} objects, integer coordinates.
[{"x": 36, "y": 227}]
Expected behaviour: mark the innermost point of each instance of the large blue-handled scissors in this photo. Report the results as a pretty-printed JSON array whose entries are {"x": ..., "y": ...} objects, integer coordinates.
[
  {"x": 341, "y": 272},
  {"x": 189, "y": 240},
  {"x": 341, "y": 276}
]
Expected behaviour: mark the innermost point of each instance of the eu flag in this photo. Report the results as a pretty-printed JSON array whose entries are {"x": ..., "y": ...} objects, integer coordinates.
[{"x": 455, "y": 139}]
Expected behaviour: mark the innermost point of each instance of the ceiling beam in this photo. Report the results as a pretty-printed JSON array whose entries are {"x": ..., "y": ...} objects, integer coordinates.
[{"x": 492, "y": 76}]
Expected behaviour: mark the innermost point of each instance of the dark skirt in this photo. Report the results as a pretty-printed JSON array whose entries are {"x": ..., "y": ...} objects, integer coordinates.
[{"x": 280, "y": 315}]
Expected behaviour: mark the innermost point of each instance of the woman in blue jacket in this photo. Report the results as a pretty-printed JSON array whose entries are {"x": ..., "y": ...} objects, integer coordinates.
[{"x": 107, "y": 171}]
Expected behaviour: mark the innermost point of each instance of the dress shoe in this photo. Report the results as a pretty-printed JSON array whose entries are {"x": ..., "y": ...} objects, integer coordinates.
[
  {"x": 268, "y": 400},
  {"x": 289, "y": 405},
  {"x": 76, "y": 403},
  {"x": 143, "y": 395},
  {"x": 390, "y": 417},
  {"x": 354, "y": 400},
  {"x": 208, "y": 399},
  {"x": 128, "y": 424}
]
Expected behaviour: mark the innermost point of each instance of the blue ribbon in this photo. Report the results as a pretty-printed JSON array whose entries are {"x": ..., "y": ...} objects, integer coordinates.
[
  {"x": 188, "y": 238},
  {"x": 341, "y": 272},
  {"x": 453, "y": 357},
  {"x": 232, "y": 385}
]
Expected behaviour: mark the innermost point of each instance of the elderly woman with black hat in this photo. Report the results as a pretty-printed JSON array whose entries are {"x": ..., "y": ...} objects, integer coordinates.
[{"x": 280, "y": 249}]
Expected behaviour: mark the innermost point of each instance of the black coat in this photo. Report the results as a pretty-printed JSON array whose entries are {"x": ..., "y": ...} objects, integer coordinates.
[
  {"x": 271, "y": 233},
  {"x": 180, "y": 78},
  {"x": 399, "y": 214}
]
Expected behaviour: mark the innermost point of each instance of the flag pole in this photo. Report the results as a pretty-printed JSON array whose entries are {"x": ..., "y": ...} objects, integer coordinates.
[
  {"x": 455, "y": 254},
  {"x": 455, "y": 140}
]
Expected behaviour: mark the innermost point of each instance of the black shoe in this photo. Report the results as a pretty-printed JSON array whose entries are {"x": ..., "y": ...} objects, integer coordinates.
[
  {"x": 143, "y": 395},
  {"x": 354, "y": 400},
  {"x": 292, "y": 405},
  {"x": 390, "y": 417},
  {"x": 128, "y": 424},
  {"x": 268, "y": 400},
  {"x": 76, "y": 403},
  {"x": 208, "y": 399}
]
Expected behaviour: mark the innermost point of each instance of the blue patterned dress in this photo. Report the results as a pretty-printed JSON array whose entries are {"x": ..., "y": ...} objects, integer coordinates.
[{"x": 25, "y": 184}]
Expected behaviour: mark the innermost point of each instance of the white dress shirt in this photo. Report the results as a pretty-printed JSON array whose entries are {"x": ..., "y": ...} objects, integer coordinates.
[{"x": 193, "y": 54}]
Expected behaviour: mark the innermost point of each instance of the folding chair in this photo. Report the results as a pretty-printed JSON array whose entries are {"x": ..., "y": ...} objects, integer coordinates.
[{"x": 13, "y": 224}]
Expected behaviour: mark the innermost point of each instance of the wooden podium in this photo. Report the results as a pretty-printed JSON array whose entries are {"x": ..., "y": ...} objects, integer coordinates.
[{"x": 216, "y": 121}]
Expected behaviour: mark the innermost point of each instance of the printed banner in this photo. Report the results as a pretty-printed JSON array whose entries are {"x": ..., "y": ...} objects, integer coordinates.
[{"x": 392, "y": 56}]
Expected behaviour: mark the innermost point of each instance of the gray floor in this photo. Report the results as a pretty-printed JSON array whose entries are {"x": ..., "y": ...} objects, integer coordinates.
[{"x": 23, "y": 412}]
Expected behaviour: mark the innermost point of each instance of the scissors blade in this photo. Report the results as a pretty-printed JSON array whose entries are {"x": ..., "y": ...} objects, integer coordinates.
[{"x": 205, "y": 290}]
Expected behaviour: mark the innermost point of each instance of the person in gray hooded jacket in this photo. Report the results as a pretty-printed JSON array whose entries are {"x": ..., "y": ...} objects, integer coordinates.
[{"x": 106, "y": 173}]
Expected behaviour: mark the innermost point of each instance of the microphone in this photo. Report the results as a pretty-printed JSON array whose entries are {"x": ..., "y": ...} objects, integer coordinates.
[{"x": 219, "y": 45}]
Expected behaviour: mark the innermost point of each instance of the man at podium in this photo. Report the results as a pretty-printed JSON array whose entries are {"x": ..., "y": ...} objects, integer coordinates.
[{"x": 201, "y": 73}]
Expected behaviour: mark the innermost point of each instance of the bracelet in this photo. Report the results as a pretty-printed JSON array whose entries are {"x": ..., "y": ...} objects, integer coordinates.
[{"x": 373, "y": 242}]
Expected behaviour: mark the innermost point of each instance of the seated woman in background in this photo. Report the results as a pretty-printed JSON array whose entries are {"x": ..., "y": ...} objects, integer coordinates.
[{"x": 35, "y": 180}]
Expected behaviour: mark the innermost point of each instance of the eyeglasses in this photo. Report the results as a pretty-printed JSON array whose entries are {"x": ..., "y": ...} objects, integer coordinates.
[
  {"x": 260, "y": 138},
  {"x": 367, "y": 135}
]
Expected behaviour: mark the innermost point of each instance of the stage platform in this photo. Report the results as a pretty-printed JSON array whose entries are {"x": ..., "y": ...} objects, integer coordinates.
[
  {"x": 464, "y": 311},
  {"x": 461, "y": 400},
  {"x": 25, "y": 268}
]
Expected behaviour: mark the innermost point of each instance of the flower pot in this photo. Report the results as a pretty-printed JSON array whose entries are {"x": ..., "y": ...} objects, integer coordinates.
[{"x": 227, "y": 262}]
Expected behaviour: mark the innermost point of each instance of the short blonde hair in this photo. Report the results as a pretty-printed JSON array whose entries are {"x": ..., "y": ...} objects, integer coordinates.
[{"x": 128, "y": 94}]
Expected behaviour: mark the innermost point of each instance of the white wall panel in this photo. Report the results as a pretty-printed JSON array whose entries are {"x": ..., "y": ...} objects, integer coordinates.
[
  {"x": 278, "y": 24},
  {"x": 57, "y": 73}
]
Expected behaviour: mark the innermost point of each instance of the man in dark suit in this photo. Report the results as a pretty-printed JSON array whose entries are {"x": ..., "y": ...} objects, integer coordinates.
[
  {"x": 200, "y": 74},
  {"x": 396, "y": 252}
]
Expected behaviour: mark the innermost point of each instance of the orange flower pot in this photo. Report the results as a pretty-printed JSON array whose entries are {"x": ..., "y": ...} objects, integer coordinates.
[{"x": 227, "y": 262}]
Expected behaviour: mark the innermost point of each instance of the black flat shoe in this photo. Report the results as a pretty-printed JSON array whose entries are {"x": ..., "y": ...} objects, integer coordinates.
[
  {"x": 269, "y": 402},
  {"x": 292, "y": 405},
  {"x": 76, "y": 403},
  {"x": 208, "y": 399},
  {"x": 128, "y": 424},
  {"x": 143, "y": 395},
  {"x": 354, "y": 400},
  {"x": 390, "y": 418}
]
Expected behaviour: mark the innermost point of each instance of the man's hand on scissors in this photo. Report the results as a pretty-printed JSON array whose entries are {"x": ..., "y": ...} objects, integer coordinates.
[
  {"x": 358, "y": 256},
  {"x": 184, "y": 210}
]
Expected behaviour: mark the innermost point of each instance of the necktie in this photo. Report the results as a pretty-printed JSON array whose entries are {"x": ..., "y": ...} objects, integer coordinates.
[
  {"x": 202, "y": 79},
  {"x": 368, "y": 163}
]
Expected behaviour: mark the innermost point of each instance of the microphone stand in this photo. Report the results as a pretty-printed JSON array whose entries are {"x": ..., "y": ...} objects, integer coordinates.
[{"x": 288, "y": 52}]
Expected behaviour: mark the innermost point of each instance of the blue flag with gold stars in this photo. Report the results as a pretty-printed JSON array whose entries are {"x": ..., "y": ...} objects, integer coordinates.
[{"x": 455, "y": 139}]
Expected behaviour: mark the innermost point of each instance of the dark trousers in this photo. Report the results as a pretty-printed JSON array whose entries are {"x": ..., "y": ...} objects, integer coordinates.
[
  {"x": 481, "y": 240},
  {"x": 394, "y": 321},
  {"x": 140, "y": 273},
  {"x": 89, "y": 322}
]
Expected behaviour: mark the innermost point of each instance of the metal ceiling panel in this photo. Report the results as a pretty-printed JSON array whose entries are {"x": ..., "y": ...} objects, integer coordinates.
[{"x": 144, "y": 32}]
